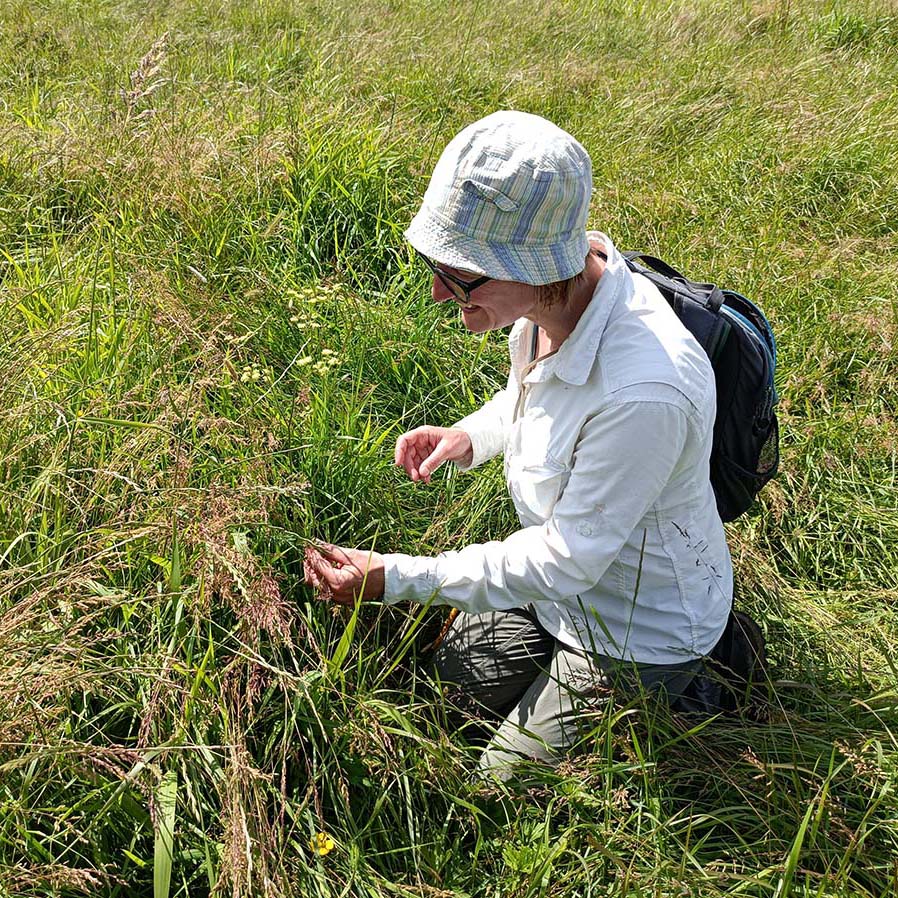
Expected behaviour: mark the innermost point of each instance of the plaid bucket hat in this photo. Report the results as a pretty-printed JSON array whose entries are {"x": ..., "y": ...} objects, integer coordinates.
[{"x": 509, "y": 199}]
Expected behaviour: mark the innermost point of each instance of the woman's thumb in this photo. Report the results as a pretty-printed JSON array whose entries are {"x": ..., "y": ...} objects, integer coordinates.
[{"x": 434, "y": 460}]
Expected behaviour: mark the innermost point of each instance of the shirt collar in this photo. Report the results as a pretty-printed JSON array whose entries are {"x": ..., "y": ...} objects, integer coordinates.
[{"x": 575, "y": 357}]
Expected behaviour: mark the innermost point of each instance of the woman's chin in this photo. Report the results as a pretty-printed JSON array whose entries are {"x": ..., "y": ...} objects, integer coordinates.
[{"x": 474, "y": 321}]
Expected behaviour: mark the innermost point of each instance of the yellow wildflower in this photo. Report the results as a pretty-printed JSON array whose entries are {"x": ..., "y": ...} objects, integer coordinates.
[
  {"x": 321, "y": 844},
  {"x": 251, "y": 373}
]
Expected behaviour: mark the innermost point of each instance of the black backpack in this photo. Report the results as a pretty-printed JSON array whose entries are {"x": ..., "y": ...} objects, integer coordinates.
[{"x": 737, "y": 338}]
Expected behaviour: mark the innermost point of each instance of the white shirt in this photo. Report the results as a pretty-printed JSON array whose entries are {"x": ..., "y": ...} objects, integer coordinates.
[{"x": 607, "y": 444}]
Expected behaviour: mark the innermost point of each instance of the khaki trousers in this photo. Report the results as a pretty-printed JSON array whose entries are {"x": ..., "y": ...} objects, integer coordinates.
[{"x": 534, "y": 693}]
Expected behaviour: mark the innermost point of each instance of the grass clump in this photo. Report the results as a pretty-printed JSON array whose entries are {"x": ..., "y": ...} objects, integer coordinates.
[{"x": 210, "y": 335}]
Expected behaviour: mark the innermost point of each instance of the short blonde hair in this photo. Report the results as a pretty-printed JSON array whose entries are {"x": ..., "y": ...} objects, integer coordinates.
[{"x": 560, "y": 292}]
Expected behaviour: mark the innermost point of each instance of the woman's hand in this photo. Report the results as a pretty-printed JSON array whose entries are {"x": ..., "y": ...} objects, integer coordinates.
[
  {"x": 344, "y": 575},
  {"x": 422, "y": 450}
]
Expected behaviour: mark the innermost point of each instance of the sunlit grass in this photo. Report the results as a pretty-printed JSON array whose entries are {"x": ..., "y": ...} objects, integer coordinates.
[{"x": 211, "y": 333}]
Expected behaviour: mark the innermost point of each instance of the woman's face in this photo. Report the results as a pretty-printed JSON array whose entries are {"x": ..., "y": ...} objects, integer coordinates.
[{"x": 493, "y": 305}]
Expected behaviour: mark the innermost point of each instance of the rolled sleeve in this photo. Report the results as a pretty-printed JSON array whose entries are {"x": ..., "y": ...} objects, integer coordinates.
[{"x": 625, "y": 456}]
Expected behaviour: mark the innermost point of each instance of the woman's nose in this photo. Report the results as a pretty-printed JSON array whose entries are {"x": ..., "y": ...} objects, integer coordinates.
[{"x": 439, "y": 291}]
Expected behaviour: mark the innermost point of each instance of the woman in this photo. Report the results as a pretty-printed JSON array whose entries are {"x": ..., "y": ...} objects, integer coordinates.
[{"x": 620, "y": 573}]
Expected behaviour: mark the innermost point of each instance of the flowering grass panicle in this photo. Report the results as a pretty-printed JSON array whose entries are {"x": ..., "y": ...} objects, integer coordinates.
[{"x": 145, "y": 80}]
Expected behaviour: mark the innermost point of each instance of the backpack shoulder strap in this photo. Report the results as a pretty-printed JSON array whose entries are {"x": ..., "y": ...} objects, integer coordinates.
[
  {"x": 712, "y": 297},
  {"x": 655, "y": 263}
]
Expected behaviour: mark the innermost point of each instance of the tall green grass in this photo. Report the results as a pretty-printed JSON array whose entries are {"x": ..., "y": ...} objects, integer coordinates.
[{"x": 211, "y": 333}]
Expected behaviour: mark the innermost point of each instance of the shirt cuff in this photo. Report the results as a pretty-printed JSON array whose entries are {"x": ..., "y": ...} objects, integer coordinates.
[
  {"x": 409, "y": 578},
  {"x": 483, "y": 442}
]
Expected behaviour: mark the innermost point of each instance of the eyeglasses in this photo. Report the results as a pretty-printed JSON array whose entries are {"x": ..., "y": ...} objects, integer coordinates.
[{"x": 461, "y": 290}]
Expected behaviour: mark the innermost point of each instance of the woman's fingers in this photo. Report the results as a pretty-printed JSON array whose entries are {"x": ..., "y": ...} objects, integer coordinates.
[
  {"x": 331, "y": 552},
  {"x": 410, "y": 460},
  {"x": 314, "y": 568},
  {"x": 423, "y": 450},
  {"x": 440, "y": 453},
  {"x": 343, "y": 585},
  {"x": 344, "y": 575},
  {"x": 334, "y": 583},
  {"x": 421, "y": 453},
  {"x": 413, "y": 447},
  {"x": 399, "y": 451},
  {"x": 454, "y": 445}
]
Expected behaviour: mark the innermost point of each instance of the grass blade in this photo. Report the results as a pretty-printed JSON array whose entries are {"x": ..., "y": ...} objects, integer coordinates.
[{"x": 166, "y": 806}]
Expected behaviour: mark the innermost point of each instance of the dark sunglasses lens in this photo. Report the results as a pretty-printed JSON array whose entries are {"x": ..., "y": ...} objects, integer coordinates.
[{"x": 455, "y": 289}]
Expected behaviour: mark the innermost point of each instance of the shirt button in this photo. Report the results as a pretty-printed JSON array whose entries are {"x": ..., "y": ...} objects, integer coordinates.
[{"x": 584, "y": 528}]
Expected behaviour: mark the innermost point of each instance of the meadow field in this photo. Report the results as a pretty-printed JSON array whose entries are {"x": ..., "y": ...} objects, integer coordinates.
[{"x": 211, "y": 334}]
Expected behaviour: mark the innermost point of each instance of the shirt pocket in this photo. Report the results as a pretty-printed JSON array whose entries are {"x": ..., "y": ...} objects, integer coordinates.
[{"x": 536, "y": 482}]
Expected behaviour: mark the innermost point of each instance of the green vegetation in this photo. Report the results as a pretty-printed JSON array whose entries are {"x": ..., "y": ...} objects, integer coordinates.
[{"x": 211, "y": 333}]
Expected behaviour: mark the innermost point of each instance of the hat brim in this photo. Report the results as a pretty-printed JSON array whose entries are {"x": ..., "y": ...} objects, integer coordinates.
[{"x": 536, "y": 265}]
